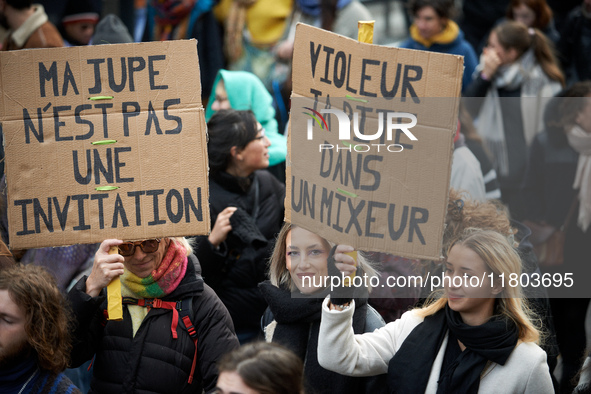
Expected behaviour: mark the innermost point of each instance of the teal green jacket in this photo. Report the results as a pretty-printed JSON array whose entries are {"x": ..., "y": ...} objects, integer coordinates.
[{"x": 246, "y": 91}]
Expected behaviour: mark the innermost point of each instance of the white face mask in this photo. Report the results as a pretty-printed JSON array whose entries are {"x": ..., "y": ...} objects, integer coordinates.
[
  {"x": 578, "y": 131},
  {"x": 580, "y": 141}
]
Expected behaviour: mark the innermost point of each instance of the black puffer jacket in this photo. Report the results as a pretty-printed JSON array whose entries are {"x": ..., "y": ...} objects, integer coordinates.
[
  {"x": 235, "y": 270},
  {"x": 152, "y": 361}
]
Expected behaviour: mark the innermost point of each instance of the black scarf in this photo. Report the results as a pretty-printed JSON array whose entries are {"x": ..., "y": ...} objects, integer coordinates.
[
  {"x": 410, "y": 368},
  {"x": 298, "y": 324},
  {"x": 235, "y": 184}
]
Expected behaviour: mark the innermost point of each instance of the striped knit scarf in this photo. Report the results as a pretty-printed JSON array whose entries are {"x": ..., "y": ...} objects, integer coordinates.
[
  {"x": 161, "y": 282},
  {"x": 164, "y": 279}
]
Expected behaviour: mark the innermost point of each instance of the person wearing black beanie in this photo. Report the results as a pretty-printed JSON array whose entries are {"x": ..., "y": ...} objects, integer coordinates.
[{"x": 79, "y": 20}]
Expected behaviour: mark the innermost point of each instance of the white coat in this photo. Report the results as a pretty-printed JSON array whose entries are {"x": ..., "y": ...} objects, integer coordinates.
[{"x": 341, "y": 351}]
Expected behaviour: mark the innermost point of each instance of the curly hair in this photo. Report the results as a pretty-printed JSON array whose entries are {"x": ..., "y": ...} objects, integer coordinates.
[
  {"x": 6, "y": 259},
  {"x": 463, "y": 213},
  {"x": 47, "y": 317}
]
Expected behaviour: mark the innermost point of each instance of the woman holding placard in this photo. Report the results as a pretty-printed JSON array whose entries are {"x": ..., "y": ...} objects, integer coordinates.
[
  {"x": 472, "y": 339},
  {"x": 246, "y": 208},
  {"x": 299, "y": 272}
]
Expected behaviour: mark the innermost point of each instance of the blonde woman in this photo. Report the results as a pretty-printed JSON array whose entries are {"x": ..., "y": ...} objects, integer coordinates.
[
  {"x": 298, "y": 270},
  {"x": 474, "y": 339}
]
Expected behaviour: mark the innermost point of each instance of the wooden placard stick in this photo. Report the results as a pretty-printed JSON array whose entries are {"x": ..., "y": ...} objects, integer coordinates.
[{"x": 364, "y": 34}]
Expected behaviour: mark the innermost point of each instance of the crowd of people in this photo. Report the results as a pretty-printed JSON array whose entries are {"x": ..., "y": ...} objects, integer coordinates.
[{"x": 247, "y": 309}]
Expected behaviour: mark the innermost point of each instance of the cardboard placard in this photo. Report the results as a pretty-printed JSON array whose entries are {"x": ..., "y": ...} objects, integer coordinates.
[
  {"x": 384, "y": 193},
  {"x": 55, "y": 103}
]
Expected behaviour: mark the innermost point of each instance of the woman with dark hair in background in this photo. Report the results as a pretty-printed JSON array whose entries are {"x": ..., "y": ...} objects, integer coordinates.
[
  {"x": 261, "y": 368},
  {"x": 534, "y": 13},
  {"x": 242, "y": 90},
  {"x": 516, "y": 72},
  {"x": 246, "y": 208}
]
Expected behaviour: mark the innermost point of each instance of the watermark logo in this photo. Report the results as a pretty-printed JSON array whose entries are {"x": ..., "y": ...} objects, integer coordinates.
[{"x": 344, "y": 124}]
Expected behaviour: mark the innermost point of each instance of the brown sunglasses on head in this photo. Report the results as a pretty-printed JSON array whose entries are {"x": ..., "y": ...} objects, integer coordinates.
[{"x": 147, "y": 246}]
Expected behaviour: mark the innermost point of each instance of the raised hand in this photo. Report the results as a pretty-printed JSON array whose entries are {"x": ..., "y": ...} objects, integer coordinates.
[
  {"x": 222, "y": 227},
  {"x": 105, "y": 268}
]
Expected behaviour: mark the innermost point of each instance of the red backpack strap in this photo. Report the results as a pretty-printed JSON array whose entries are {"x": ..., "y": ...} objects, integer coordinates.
[
  {"x": 186, "y": 318},
  {"x": 105, "y": 317}
]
